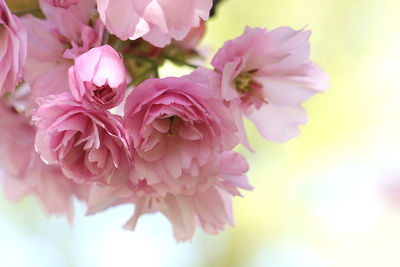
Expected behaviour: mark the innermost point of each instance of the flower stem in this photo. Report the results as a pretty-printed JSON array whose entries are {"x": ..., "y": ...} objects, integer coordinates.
[
  {"x": 106, "y": 36},
  {"x": 140, "y": 59},
  {"x": 117, "y": 44},
  {"x": 180, "y": 62},
  {"x": 143, "y": 75}
]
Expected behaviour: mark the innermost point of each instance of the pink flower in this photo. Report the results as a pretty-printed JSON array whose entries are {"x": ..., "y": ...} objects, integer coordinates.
[
  {"x": 266, "y": 76},
  {"x": 89, "y": 145},
  {"x": 98, "y": 78},
  {"x": 53, "y": 42},
  {"x": 23, "y": 171},
  {"x": 178, "y": 130},
  {"x": 211, "y": 208},
  {"x": 13, "y": 42},
  {"x": 156, "y": 21},
  {"x": 62, "y": 3}
]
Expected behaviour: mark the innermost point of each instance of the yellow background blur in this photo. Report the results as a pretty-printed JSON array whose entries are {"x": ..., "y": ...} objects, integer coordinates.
[{"x": 319, "y": 200}]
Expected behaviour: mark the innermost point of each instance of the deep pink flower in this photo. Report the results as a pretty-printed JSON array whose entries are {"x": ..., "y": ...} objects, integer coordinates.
[
  {"x": 89, "y": 145},
  {"x": 156, "y": 21},
  {"x": 23, "y": 172},
  {"x": 62, "y": 3},
  {"x": 210, "y": 209},
  {"x": 13, "y": 42},
  {"x": 266, "y": 76},
  {"x": 179, "y": 131},
  {"x": 98, "y": 78},
  {"x": 53, "y": 42}
]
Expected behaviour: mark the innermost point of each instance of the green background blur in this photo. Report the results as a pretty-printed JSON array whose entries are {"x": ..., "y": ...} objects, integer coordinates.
[{"x": 319, "y": 200}]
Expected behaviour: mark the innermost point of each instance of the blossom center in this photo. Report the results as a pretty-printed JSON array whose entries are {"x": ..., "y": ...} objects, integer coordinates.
[
  {"x": 104, "y": 93},
  {"x": 174, "y": 125},
  {"x": 242, "y": 82},
  {"x": 65, "y": 41},
  {"x": 248, "y": 88}
]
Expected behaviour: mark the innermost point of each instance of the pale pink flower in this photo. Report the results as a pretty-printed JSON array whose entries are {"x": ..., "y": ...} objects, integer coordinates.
[
  {"x": 98, "y": 78},
  {"x": 89, "y": 145},
  {"x": 13, "y": 42},
  {"x": 23, "y": 172},
  {"x": 55, "y": 41},
  {"x": 62, "y": 3},
  {"x": 266, "y": 76},
  {"x": 179, "y": 131},
  {"x": 210, "y": 209},
  {"x": 156, "y": 21}
]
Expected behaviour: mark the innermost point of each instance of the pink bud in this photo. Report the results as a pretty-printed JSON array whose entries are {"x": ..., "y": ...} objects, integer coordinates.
[{"x": 98, "y": 78}]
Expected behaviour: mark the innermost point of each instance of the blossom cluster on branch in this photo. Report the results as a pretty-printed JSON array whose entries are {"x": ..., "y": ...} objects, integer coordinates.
[{"x": 85, "y": 114}]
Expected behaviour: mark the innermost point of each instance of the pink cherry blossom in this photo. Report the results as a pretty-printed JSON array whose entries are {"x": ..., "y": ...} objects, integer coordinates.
[
  {"x": 211, "y": 208},
  {"x": 179, "y": 131},
  {"x": 53, "y": 42},
  {"x": 89, "y": 145},
  {"x": 266, "y": 76},
  {"x": 156, "y": 21},
  {"x": 98, "y": 78},
  {"x": 13, "y": 43},
  {"x": 62, "y": 3},
  {"x": 23, "y": 171},
  {"x": 69, "y": 130}
]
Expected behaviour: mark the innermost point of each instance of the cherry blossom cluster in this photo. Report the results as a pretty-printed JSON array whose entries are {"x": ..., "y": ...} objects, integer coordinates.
[{"x": 85, "y": 114}]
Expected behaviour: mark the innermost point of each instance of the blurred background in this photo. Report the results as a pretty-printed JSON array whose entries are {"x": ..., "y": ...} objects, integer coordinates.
[{"x": 330, "y": 197}]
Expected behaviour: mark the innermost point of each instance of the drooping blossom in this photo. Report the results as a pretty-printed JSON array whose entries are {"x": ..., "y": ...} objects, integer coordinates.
[
  {"x": 156, "y": 21},
  {"x": 23, "y": 172},
  {"x": 170, "y": 148},
  {"x": 179, "y": 131},
  {"x": 89, "y": 145},
  {"x": 265, "y": 76},
  {"x": 62, "y": 3},
  {"x": 55, "y": 42},
  {"x": 98, "y": 78},
  {"x": 211, "y": 208},
  {"x": 13, "y": 43}
]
